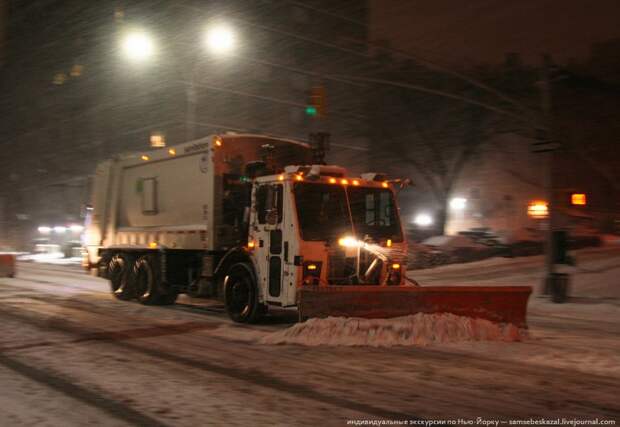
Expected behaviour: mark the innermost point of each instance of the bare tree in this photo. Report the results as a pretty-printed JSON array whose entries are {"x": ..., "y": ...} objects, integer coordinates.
[{"x": 436, "y": 137}]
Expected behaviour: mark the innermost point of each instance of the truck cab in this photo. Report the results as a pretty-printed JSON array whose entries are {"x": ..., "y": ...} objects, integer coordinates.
[{"x": 314, "y": 226}]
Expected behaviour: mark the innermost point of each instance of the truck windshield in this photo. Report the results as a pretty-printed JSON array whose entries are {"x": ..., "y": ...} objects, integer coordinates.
[
  {"x": 322, "y": 211},
  {"x": 324, "y": 215},
  {"x": 374, "y": 213}
]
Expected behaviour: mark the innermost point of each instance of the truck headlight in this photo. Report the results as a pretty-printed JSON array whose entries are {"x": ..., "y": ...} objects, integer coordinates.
[{"x": 349, "y": 242}]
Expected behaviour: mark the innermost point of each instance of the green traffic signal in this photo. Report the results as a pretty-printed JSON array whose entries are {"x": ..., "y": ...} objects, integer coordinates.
[{"x": 311, "y": 110}]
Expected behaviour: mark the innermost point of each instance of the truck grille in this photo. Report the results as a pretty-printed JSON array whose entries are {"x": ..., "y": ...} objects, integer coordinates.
[{"x": 341, "y": 269}]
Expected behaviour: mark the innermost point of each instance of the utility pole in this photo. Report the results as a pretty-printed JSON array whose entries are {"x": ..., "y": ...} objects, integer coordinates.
[
  {"x": 4, "y": 20},
  {"x": 545, "y": 92},
  {"x": 547, "y": 143},
  {"x": 190, "y": 114}
]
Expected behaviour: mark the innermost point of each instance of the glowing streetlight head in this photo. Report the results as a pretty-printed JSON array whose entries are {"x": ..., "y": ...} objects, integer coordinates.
[
  {"x": 138, "y": 46},
  {"x": 220, "y": 39},
  {"x": 458, "y": 203}
]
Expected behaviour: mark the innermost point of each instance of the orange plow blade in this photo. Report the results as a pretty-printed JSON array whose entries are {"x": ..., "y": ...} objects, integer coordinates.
[{"x": 498, "y": 304}]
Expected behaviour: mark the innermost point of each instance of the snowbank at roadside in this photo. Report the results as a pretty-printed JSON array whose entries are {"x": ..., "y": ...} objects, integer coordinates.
[
  {"x": 50, "y": 258},
  {"x": 419, "y": 329}
]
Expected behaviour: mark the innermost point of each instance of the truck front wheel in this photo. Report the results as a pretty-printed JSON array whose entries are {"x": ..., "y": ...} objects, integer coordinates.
[
  {"x": 148, "y": 283},
  {"x": 241, "y": 294}
]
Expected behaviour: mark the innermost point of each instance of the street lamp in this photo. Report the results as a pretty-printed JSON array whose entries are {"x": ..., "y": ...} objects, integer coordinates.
[
  {"x": 220, "y": 39},
  {"x": 458, "y": 203},
  {"x": 137, "y": 46},
  {"x": 423, "y": 220}
]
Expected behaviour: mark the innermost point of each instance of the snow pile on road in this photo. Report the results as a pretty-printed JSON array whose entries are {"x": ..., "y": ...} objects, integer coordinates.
[{"x": 420, "y": 329}]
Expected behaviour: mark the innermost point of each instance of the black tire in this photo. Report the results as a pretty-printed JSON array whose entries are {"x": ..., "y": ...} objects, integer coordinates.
[
  {"x": 119, "y": 274},
  {"x": 148, "y": 285},
  {"x": 241, "y": 294}
]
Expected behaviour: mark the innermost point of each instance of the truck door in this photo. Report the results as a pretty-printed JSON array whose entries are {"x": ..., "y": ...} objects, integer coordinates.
[{"x": 270, "y": 245}]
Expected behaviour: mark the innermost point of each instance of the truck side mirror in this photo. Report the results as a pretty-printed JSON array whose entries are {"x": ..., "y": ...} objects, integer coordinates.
[{"x": 402, "y": 183}]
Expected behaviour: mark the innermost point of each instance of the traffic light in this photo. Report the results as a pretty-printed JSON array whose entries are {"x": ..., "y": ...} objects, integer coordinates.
[
  {"x": 316, "y": 107},
  {"x": 319, "y": 142}
]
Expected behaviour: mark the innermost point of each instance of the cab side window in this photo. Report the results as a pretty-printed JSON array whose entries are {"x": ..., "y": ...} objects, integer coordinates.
[
  {"x": 269, "y": 203},
  {"x": 261, "y": 203}
]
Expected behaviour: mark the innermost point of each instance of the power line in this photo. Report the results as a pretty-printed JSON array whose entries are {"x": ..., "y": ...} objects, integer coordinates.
[
  {"x": 419, "y": 88},
  {"x": 273, "y": 99},
  {"x": 436, "y": 67},
  {"x": 429, "y": 64},
  {"x": 324, "y": 12}
]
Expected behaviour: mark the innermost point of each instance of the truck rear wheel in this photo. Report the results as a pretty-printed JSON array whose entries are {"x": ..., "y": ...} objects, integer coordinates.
[
  {"x": 119, "y": 272},
  {"x": 148, "y": 283},
  {"x": 241, "y": 294}
]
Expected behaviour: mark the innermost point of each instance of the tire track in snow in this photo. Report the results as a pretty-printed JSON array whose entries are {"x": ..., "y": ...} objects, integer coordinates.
[
  {"x": 89, "y": 397},
  {"x": 451, "y": 358},
  {"x": 255, "y": 377}
]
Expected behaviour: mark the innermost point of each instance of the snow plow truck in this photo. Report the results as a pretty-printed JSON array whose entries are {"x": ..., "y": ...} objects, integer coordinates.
[{"x": 257, "y": 221}]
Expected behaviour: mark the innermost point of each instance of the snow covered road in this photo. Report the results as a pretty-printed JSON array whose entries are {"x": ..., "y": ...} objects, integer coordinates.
[{"x": 71, "y": 355}]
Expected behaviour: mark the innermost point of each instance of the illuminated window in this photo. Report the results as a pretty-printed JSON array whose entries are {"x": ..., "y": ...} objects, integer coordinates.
[
  {"x": 538, "y": 209},
  {"x": 578, "y": 199}
]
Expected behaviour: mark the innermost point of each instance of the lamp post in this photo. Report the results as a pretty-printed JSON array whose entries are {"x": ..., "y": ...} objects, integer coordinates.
[
  {"x": 138, "y": 46},
  {"x": 219, "y": 39}
]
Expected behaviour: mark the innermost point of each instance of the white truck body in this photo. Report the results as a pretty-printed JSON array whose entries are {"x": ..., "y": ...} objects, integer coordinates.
[
  {"x": 192, "y": 218},
  {"x": 173, "y": 197}
]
